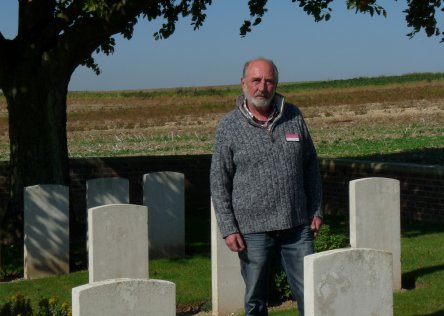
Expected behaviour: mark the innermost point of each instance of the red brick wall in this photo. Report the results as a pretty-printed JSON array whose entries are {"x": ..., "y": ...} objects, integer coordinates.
[{"x": 422, "y": 187}]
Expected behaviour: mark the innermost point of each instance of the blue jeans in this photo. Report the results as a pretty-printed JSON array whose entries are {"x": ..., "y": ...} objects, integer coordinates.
[{"x": 291, "y": 245}]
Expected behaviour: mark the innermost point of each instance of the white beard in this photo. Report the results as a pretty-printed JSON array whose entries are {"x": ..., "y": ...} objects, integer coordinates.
[{"x": 258, "y": 103}]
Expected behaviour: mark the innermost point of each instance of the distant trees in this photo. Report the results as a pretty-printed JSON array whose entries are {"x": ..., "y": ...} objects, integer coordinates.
[{"x": 56, "y": 36}]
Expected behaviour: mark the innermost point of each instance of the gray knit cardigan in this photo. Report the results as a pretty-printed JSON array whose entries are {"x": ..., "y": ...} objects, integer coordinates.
[{"x": 264, "y": 179}]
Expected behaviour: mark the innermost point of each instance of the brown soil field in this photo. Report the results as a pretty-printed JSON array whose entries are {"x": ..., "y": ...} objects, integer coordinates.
[{"x": 110, "y": 124}]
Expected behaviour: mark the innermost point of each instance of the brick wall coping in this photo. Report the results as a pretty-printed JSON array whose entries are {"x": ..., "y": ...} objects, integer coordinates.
[
  {"x": 329, "y": 164},
  {"x": 406, "y": 168}
]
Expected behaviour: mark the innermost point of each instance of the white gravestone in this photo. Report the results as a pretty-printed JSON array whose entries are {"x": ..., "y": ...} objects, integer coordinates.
[
  {"x": 164, "y": 195},
  {"x": 118, "y": 242},
  {"x": 375, "y": 219},
  {"x": 348, "y": 282},
  {"x": 103, "y": 191},
  {"x": 46, "y": 230},
  {"x": 125, "y": 297},
  {"x": 228, "y": 287}
]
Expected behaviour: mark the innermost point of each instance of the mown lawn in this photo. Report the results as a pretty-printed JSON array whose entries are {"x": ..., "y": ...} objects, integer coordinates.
[{"x": 421, "y": 256}]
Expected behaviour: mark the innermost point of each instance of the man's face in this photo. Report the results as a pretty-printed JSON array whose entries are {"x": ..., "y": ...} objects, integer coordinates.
[{"x": 259, "y": 83}]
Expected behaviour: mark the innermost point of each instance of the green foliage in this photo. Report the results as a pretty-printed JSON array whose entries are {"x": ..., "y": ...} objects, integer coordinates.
[
  {"x": 19, "y": 305},
  {"x": 369, "y": 6},
  {"x": 325, "y": 240},
  {"x": 11, "y": 264},
  {"x": 360, "y": 82},
  {"x": 422, "y": 15},
  {"x": 279, "y": 288},
  {"x": 51, "y": 307}
]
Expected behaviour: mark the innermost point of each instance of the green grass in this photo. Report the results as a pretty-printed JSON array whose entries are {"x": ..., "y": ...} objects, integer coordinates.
[
  {"x": 231, "y": 90},
  {"x": 422, "y": 248},
  {"x": 43, "y": 288},
  {"x": 360, "y": 82},
  {"x": 192, "y": 276},
  {"x": 390, "y": 149}
]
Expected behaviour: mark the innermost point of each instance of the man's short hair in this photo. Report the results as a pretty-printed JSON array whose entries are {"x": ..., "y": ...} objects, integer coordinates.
[{"x": 276, "y": 72}]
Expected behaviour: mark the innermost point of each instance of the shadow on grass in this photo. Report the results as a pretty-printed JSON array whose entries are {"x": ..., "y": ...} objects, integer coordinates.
[
  {"x": 409, "y": 278},
  {"x": 413, "y": 229},
  {"x": 438, "y": 313},
  {"x": 423, "y": 156}
]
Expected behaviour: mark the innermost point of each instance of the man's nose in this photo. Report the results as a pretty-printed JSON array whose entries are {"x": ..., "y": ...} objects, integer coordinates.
[{"x": 262, "y": 85}]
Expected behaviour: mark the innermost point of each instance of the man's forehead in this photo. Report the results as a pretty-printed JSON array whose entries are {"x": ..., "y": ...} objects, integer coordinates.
[{"x": 260, "y": 68}]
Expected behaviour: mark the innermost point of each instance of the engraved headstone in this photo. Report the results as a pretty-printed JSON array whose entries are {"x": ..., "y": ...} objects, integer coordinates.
[{"x": 118, "y": 242}]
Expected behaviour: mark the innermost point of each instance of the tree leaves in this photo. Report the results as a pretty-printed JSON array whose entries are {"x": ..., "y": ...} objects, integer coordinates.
[
  {"x": 257, "y": 11},
  {"x": 319, "y": 9},
  {"x": 422, "y": 15},
  {"x": 366, "y": 6}
]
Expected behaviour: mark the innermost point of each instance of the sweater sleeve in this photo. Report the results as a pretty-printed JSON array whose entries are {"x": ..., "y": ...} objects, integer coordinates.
[
  {"x": 221, "y": 182},
  {"x": 312, "y": 176}
]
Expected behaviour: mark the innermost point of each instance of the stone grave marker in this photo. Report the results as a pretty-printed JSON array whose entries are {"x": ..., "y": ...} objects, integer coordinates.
[
  {"x": 353, "y": 281},
  {"x": 164, "y": 195},
  {"x": 118, "y": 242},
  {"x": 375, "y": 218},
  {"x": 119, "y": 297},
  {"x": 46, "y": 230},
  {"x": 103, "y": 191},
  {"x": 227, "y": 286}
]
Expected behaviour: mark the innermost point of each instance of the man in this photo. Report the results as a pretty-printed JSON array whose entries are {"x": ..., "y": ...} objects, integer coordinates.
[{"x": 265, "y": 185}]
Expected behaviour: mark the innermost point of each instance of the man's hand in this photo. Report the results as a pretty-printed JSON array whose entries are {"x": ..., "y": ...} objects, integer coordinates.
[
  {"x": 316, "y": 224},
  {"x": 235, "y": 242}
]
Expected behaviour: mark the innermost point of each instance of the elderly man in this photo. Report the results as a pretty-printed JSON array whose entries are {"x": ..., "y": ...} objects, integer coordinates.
[{"x": 265, "y": 185}]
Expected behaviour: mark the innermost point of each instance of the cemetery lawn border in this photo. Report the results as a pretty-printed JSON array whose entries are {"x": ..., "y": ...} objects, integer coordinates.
[{"x": 422, "y": 246}]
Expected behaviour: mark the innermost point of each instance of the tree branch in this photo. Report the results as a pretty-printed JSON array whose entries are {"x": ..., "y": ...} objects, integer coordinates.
[
  {"x": 422, "y": 15},
  {"x": 7, "y": 58},
  {"x": 34, "y": 17},
  {"x": 95, "y": 31}
]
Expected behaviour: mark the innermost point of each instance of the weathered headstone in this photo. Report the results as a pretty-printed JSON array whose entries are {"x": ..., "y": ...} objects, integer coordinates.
[
  {"x": 118, "y": 242},
  {"x": 228, "y": 287},
  {"x": 46, "y": 230},
  {"x": 375, "y": 219},
  {"x": 164, "y": 195},
  {"x": 348, "y": 282},
  {"x": 119, "y": 297},
  {"x": 103, "y": 191}
]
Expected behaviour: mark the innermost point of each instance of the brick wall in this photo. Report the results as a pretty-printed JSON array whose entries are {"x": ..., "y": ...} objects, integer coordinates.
[{"x": 422, "y": 187}]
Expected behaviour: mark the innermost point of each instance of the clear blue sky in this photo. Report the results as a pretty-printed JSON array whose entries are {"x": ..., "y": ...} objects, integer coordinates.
[{"x": 349, "y": 45}]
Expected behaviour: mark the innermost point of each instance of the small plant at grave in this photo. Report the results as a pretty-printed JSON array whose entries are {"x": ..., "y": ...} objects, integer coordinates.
[
  {"x": 325, "y": 240},
  {"x": 51, "y": 307},
  {"x": 11, "y": 264},
  {"x": 19, "y": 305}
]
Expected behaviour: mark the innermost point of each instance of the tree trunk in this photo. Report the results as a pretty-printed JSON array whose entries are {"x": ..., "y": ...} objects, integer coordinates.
[{"x": 37, "y": 131}]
